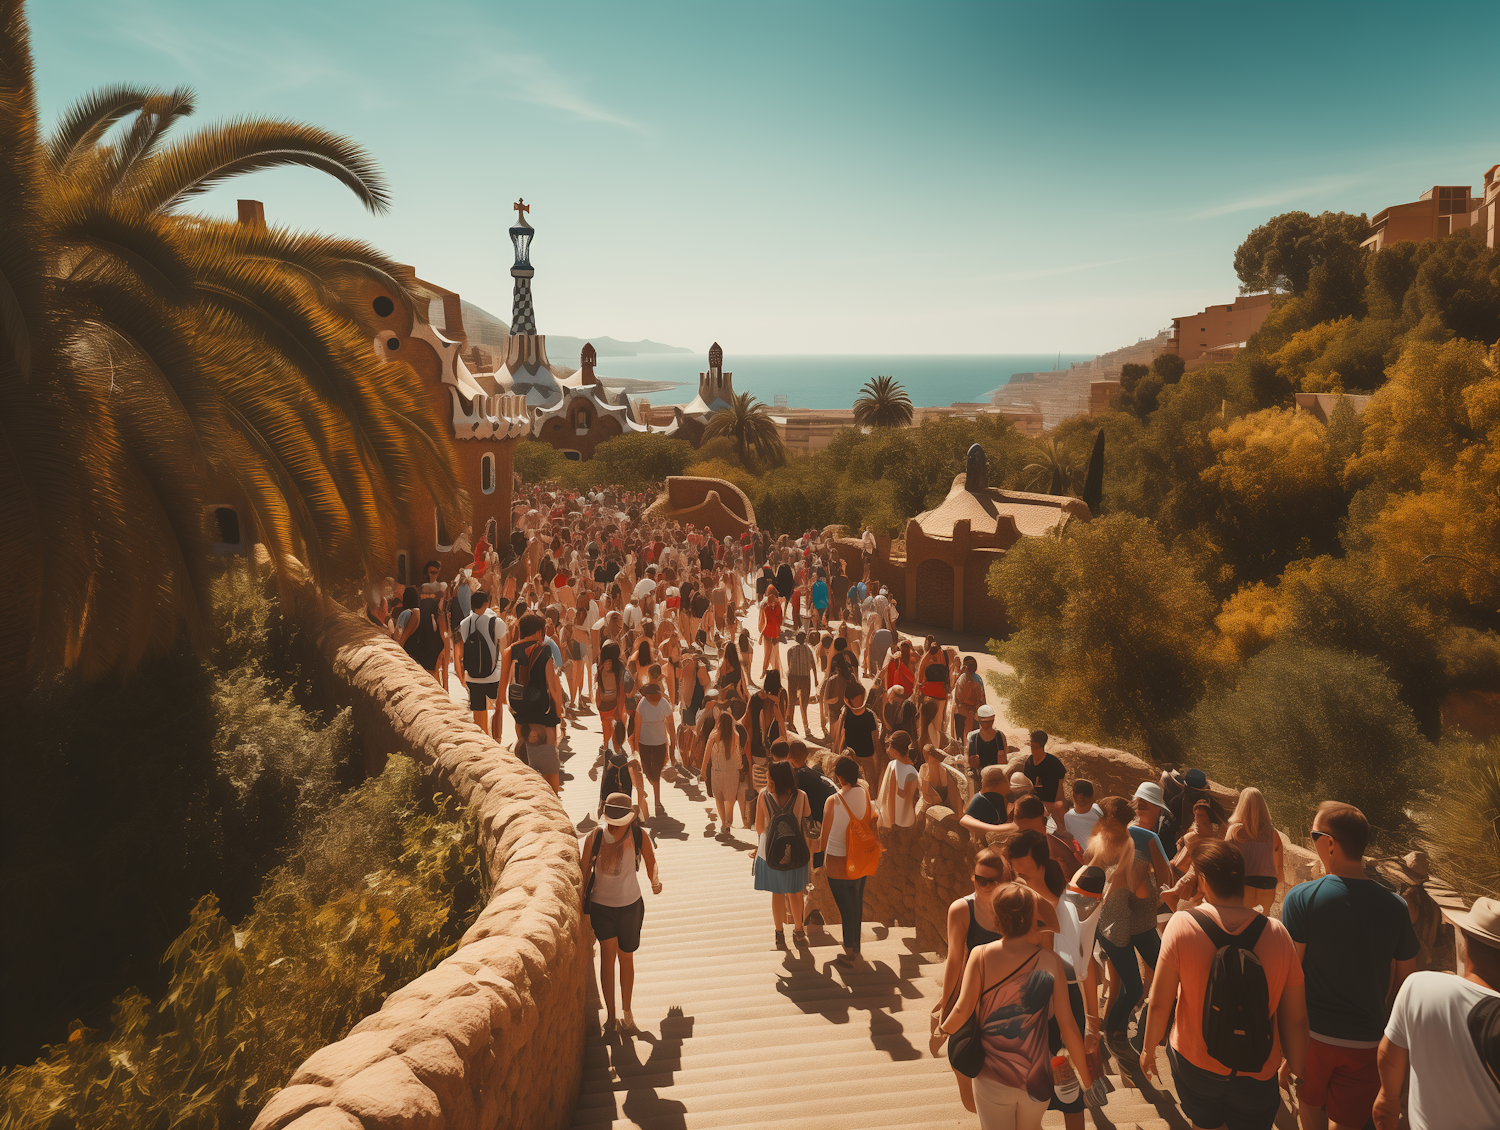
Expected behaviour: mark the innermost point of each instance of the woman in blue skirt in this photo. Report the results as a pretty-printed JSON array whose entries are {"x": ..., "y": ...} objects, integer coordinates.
[{"x": 779, "y": 842}]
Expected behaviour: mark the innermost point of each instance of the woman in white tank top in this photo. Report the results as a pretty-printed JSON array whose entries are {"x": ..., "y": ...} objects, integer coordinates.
[{"x": 849, "y": 894}]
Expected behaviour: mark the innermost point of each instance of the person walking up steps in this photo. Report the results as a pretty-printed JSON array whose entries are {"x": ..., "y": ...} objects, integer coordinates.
[
  {"x": 781, "y": 854},
  {"x": 1447, "y": 1030},
  {"x": 1018, "y": 986},
  {"x": 1250, "y": 830},
  {"x": 612, "y": 896},
  {"x": 845, "y": 881},
  {"x": 1357, "y": 947},
  {"x": 971, "y": 924}
]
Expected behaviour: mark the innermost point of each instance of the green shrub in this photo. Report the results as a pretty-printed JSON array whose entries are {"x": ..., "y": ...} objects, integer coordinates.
[
  {"x": 126, "y": 801},
  {"x": 1460, "y": 823},
  {"x": 1307, "y": 723},
  {"x": 1112, "y": 634},
  {"x": 375, "y": 894}
]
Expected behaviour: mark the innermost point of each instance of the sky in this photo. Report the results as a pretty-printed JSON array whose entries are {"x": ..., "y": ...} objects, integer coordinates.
[{"x": 822, "y": 177}]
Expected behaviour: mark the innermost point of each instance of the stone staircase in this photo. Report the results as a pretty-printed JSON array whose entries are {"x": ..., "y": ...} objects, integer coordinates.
[{"x": 735, "y": 1031}]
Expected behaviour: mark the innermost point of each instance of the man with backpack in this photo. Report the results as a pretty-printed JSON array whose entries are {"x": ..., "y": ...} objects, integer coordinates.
[
  {"x": 1234, "y": 976},
  {"x": 483, "y": 635}
]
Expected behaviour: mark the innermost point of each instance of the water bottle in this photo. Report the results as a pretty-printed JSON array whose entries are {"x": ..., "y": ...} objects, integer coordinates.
[{"x": 1064, "y": 1082}]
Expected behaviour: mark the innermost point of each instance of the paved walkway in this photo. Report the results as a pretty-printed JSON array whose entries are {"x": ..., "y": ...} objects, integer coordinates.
[{"x": 736, "y": 1032}]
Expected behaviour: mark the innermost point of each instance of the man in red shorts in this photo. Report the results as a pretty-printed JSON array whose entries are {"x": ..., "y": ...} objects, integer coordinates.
[{"x": 1357, "y": 946}]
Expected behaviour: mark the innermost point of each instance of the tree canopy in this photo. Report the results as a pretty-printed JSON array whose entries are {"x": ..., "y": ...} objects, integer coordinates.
[{"x": 153, "y": 362}]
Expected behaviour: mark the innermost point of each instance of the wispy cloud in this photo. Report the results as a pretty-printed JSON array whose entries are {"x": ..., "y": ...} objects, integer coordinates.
[
  {"x": 533, "y": 79},
  {"x": 291, "y": 63},
  {"x": 1283, "y": 194}
]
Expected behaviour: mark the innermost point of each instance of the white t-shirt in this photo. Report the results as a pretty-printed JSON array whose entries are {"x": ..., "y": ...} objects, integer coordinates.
[
  {"x": 904, "y": 812},
  {"x": 1450, "y": 1089},
  {"x": 1080, "y": 825},
  {"x": 858, "y": 803},
  {"x": 632, "y": 616},
  {"x": 654, "y": 720},
  {"x": 482, "y": 621}
]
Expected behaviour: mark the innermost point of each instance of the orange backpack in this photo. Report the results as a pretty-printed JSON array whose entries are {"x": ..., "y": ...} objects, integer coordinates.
[{"x": 861, "y": 844}]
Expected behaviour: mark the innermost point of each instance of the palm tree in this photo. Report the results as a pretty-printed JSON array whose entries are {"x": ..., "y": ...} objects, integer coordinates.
[
  {"x": 1052, "y": 470},
  {"x": 152, "y": 362},
  {"x": 753, "y": 429},
  {"x": 883, "y": 404}
]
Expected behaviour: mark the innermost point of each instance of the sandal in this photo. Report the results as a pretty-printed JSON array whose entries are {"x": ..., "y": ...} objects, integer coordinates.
[{"x": 799, "y": 936}]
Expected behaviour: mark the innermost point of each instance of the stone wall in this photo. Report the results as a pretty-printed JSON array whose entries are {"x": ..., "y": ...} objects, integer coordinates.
[
  {"x": 926, "y": 867},
  {"x": 494, "y": 1035}
]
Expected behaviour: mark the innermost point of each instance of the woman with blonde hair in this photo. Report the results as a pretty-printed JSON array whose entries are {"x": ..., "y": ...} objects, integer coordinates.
[
  {"x": 1250, "y": 830},
  {"x": 726, "y": 759},
  {"x": 1018, "y": 985},
  {"x": 1127, "y": 919}
]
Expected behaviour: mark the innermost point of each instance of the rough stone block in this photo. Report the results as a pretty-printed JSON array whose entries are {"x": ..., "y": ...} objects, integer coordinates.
[
  {"x": 329, "y": 1066},
  {"x": 290, "y": 1103},
  {"x": 388, "y": 1096}
]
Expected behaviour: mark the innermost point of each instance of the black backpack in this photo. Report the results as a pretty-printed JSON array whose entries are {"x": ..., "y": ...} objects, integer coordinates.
[
  {"x": 529, "y": 696},
  {"x": 615, "y": 778},
  {"x": 479, "y": 663},
  {"x": 425, "y": 644},
  {"x": 1238, "y": 1029},
  {"x": 786, "y": 847}
]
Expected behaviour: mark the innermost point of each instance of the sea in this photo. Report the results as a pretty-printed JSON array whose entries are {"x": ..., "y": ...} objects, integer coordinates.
[{"x": 831, "y": 380}]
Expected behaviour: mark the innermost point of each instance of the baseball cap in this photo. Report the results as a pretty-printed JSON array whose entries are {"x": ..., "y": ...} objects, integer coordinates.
[
  {"x": 985, "y": 711},
  {"x": 1196, "y": 779},
  {"x": 1020, "y": 781}
]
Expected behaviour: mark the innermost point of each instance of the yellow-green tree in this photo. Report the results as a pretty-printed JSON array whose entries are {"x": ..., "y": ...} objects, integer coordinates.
[
  {"x": 1113, "y": 633},
  {"x": 1274, "y": 490}
]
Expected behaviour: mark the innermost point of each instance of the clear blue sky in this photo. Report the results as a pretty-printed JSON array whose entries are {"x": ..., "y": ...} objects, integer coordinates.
[{"x": 826, "y": 178}]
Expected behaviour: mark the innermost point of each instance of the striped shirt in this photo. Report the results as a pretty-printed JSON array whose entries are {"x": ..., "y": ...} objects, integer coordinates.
[{"x": 799, "y": 660}]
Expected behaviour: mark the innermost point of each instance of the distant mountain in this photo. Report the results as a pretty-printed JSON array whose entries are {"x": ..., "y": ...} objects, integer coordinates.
[{"x": 490, "y": 332}]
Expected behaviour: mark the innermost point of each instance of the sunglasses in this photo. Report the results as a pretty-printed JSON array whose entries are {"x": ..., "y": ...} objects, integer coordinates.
[
  {"x": 986, "y": 880},
  {"x": 1316, "y": 836},
  {"x": 616, "y": 811}
]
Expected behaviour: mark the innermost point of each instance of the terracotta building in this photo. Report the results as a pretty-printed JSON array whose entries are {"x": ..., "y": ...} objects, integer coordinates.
[
  {"x": 1442, "y": 210},
  {"x": 944, "y": 579},
  {"x": 1215, "y": 333},
  {"x": 485, "y": 422}
]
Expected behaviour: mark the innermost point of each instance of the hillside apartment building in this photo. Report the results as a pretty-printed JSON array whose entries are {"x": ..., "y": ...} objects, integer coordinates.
[{"x": 1442, "y": 210}]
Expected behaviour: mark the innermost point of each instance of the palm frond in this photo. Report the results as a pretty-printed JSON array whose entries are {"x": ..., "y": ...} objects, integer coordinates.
[
  {"x": 213, "y": 155},
  {"x": 84, "y": 123},
  {"x": 151, "y": 124},
  {"x": 133, "y": 242}
]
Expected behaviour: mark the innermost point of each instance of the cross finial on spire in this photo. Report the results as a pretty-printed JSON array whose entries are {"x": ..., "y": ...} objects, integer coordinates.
[{"x": 521, "y": 208}]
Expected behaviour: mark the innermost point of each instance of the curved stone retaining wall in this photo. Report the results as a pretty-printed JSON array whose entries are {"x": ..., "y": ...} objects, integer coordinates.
[
  {"x": 925, "y": 867},
  {"x": 493, "y": 1036}
]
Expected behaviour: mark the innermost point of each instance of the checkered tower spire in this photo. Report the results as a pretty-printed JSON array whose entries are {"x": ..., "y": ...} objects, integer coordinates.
[{"x": 522, "y": 313}]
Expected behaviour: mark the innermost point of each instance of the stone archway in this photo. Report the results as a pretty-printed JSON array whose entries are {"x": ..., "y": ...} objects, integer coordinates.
[{"x": 934, "y": 593}]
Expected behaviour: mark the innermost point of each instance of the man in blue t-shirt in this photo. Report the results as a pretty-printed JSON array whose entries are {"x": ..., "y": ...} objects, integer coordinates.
[{"x": 1357, "y": 946}]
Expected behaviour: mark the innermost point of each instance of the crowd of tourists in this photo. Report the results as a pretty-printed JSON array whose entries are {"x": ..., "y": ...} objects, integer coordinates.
[{"x": 1096, "y": 923}]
